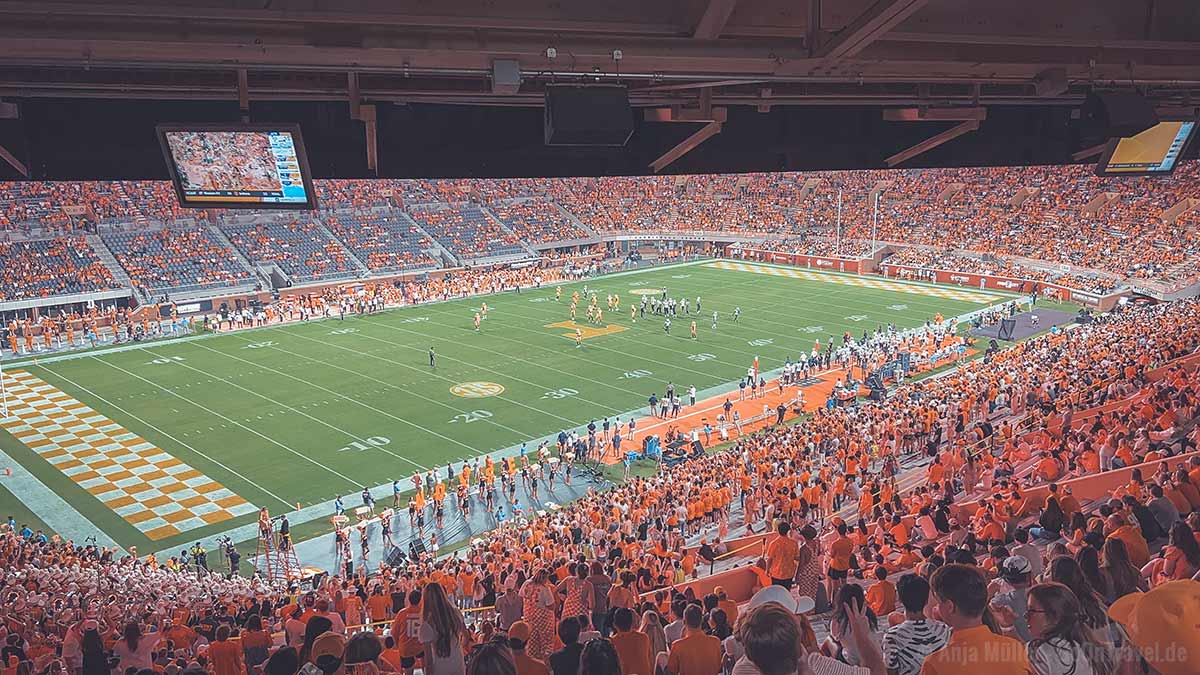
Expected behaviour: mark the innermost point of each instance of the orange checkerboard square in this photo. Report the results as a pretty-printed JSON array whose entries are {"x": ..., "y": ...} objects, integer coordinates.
[{"x": 90, "y": 441}]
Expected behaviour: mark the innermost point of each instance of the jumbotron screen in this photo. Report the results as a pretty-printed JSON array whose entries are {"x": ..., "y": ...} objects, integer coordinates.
[
  {"x": 1153, "y": 152},
  {"x": 238, "y": 166}
]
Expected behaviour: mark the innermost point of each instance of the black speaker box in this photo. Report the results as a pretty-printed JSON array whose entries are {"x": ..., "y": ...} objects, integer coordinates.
[
  {"x": 1117, "y": 114},
  {"x": 587, "y": 115},
  {"x": 395, "y": 557},
  {"x": 416, "y": 548}
]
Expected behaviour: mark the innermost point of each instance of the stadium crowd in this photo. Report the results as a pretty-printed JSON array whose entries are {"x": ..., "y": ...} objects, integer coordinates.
[
  {"x": 953, "y": 261},
  {"x": 174, "y": 257},
  {"x": 467, "y": 231},
  {"x": 43, "y": 268},
  {"x": 383, "y": 241},
  {"x": 299, "y": 246},
  {"x": 996, "y": 563},
  {"x": 1029, "y": 212}
]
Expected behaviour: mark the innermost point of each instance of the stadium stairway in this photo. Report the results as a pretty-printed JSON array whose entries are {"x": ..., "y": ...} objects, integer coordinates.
[
  {"x": 263, "y": 276},
  {"x": 363, "y": 270},
  {"x": 524, "y": 245},
  {"x": 109, "y": 260},
  {"x": 435, "y": 250}
]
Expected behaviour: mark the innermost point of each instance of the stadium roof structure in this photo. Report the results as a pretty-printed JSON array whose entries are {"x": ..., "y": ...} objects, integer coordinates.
[
  {"x": 682, "y": 60},
  {"x": 746, "y": 52}
]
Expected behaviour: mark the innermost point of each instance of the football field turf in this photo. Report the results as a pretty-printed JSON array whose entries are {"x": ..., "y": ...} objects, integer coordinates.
[{"x": 165, "y": 443}]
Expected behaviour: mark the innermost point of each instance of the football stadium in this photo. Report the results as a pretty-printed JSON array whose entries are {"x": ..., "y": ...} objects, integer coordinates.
[{"x": 721, "y": 337}]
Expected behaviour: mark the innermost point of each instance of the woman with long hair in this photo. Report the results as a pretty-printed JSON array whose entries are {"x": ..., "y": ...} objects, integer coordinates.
[
  {"x": 1051, "y": 522},
  {"x": 652, "y": 626},
  {"x": 1123, "y": 577},
  {"x": 256, "y": 642},
  {"x": 1179, "y": 559},
  {"x": 1061, "y": 643},
  {"x": 442, "y": 632},
  {"x": 576, "y": 591},
  {"x": 538, "y": 611},
  {"x": 1067, "y": 572},
  {"x": 839, "y": 644},
  {"x": 312, "y": 630},
  {"x": 134, "y": 649},
  {"x": 1089, "y": 562},
  {"x": 92, "y": 648}
]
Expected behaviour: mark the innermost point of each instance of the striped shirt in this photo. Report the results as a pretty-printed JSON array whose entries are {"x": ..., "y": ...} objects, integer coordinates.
[{"x": 906, "y": 645}]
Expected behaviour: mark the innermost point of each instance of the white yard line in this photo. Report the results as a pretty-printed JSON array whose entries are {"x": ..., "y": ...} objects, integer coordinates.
[
  {"x": 389, "y": 385},
  {"x": 439, "y": 376},
  {"x": 231, "y": 421},
  {"x": 281, "y": 404},
  {"x": 160, "y": 430}
]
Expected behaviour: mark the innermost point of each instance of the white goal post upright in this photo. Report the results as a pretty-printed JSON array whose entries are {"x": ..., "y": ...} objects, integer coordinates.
[
  {"x": 3, "y": 393},
  {"x": 837, "y": 243}
]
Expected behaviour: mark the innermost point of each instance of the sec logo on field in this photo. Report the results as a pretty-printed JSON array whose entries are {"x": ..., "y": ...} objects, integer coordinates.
[{"x": 477, "y": 389}]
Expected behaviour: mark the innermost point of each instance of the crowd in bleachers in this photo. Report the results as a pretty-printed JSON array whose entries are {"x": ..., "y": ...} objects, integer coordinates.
[
  {"x": 952, "y": 261},
  {"x": 1055, "y": 214},
  {"x": 382, "y": 241},
  {"x": 819, "y": 246},
  {"x": 46, "y": 267},
  {"x": 467, "y": 232},
  {"x": 970, "y": 568},
  {"x": 537, "y": 221},
  {"x": 168, "y": 258},
  {"x": 295, "y": 243}
]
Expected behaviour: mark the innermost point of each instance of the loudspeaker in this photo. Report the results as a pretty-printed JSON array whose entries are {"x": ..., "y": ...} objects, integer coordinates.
[
  {"x": 1117, "y": 114},
  {"x": 587, "y": 115},
  {"x": 416, "y": 548},
  {"x": 1007, "y": 326},
  {"x": 349, "y": 568},
  {"x": 697, "y": 447},
  {"x": 395, "y": 557}
]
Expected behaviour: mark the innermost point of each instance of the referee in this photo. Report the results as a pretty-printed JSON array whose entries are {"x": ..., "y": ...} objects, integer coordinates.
[{"x": 432, "y": 358}]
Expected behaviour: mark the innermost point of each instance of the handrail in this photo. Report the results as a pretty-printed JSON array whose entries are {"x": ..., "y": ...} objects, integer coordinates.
[{"x": 372, "y": 625}]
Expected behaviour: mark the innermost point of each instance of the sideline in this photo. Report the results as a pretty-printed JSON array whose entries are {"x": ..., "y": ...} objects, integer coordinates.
[{"x": 65, "y": 520}]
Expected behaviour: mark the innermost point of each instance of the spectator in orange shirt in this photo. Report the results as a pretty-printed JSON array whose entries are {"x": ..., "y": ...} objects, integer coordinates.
[
  {"x": 225, "y": 656},
  {"x": 633, "y": 648},
  {"x": 881, "y": 596},
  {"x": 695, "y": 653},
  {"x": 783, "y": 554}
]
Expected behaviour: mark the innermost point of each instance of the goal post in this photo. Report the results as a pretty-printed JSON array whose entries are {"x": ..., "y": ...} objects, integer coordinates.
[{"x": 3, "y": 393}]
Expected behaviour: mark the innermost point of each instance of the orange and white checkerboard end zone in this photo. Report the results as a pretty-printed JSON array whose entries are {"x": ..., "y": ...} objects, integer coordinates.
[{"x": 158, "y": 494}]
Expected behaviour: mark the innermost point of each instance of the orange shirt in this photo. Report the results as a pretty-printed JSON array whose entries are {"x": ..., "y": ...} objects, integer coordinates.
[
  {"x": 881, "y": 597},
  {"x": 404, "y": 630},
  {"x": 378, "y": 607},
  {"x": 527, "y": 665},
  {"x": 839, "y": 554},
  {"x": 226, "y": 658},
  {"x": 781, "y": 557},
  {"x": 633, "y": 652},
  {"x": 978, "y": 651},
  {"x": 695, "y": 654}
]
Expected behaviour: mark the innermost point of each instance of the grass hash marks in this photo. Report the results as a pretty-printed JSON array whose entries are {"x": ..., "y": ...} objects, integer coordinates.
[{"x": 302, "y": 412}]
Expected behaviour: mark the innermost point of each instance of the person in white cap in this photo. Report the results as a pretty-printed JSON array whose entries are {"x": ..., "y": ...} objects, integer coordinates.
[{"x": 770, "y": 644}]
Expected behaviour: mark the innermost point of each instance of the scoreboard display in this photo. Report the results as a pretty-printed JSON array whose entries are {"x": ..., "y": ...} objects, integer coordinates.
[
  {"x": 238, "y": 166},
  {"x": 1153, "y": 152}
]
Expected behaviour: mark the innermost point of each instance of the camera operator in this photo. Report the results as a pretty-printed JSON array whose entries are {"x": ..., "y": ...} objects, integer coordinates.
[
  {"x": 200, "y": 557},
  {"x": 232, "y": 555}
]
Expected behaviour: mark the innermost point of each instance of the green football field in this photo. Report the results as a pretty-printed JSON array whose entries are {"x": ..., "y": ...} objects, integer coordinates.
[{"x": 302, "y": 412}]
